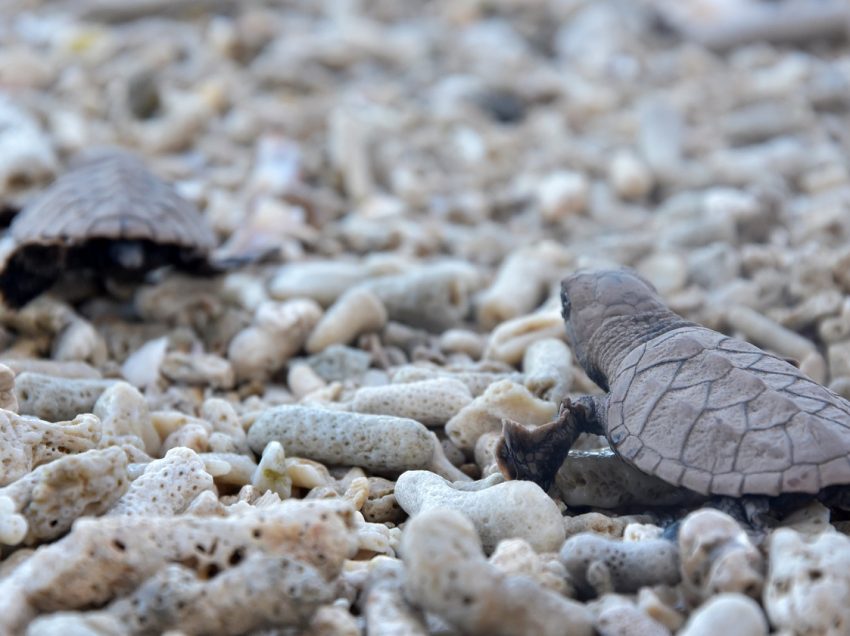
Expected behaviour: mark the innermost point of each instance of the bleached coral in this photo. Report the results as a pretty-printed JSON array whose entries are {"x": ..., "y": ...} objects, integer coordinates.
[
  {"x": 28, "y": 442},
  {"x": 54, "y": 495},
  {"x": 446, "y": 573},
  {"x": 432, "y": 402},
  {"x": 166, "y": 487},
  {"x": 375, "y": 442},
  {"x": 249, "y": 554},
  {"x": 498, "y": 510}
]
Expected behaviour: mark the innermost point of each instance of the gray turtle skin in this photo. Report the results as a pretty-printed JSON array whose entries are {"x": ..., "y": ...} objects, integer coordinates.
[
  {"x": 108, "y": 215},
  {"x": 687, "y": 404}
]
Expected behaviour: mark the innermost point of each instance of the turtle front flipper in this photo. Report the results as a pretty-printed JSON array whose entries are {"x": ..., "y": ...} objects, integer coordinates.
[{"x": 536, "y": 454}]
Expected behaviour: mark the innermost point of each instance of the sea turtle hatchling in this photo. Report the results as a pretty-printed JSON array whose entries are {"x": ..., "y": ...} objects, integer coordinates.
[
  {"x": 684, "y": 403},
  {"x": 109, "y": 215}
]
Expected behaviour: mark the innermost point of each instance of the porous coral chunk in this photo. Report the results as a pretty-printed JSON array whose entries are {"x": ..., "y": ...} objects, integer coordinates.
[
  {"x": 123, "y": 411},
  {"x": 333, "y": 620},
  {"x": 224, "y": 421},
  {"x": 618, "y": 616},
  {"x": 387, "y": 611},
  {"x": 13, "y": 525},
  {"x": 602, "y": 478},
  {"x": 57, "y": 399},
  {"x": 717, "y": 556},
  {"x": 447, "y": 573},
  {"x": 167, "y": 486},
  {"x": 374, "y": 442},
  {"x": 278, "y": 332},
  {"x": 520, "y": 283},
  {"x": 27, "y": 442},
  {"x": 806, "y": 572},
  {"x": 381, "y": 505},
  {"x": 598, "y": 565},
  {"x": 8, "y": 401},
  {"x": 431, "y": 402},
  {"x": 501, "y": 511},
  {"x": 230, "y": 468},
  {"x": 516, "y": 556},
  {"x": 502, "y": 399},
  {"x": 54, "y": 495},
  {"x": 243, "y": 598},
  {"x": 109, "y": 557}
]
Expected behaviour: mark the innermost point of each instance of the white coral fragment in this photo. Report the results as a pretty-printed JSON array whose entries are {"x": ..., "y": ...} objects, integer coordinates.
[
  {"x": 509, "y": 341},
  {"x": 501, "y": 511},
  {"x": 177, "y": 600},
  {"x": 517, "y": 556},
  {"x": 224, "y": 421},
  {"x": 727, "y": 614},
  {"x": 271, "y": 473},
  {"x": 8, "y": 401},
  {"x": 141, "y": 368},
  {"x": 562, "y": 195},
  {"x": 521, "y": 283},
  {"x": 717, "y": 556},
  {"x": 446, "y": 573},
  {"x": 374, "y": 442},
  {"x": 26, "y": 154},
  {"x": 434, "y": 297},
  {"x": 619, "y": 616},
  {"x": 28, "y": 442},
  {"x": 322, "y": 281},
  {"x": 278, "y": 332},
  {"x": 547, "y": 367},
  {"x": 124, "y": 411},
  {"x": 387, "y": 611},
  {"x": 805, "y": 572},
  {"x": 504, "y": 399},
  {"x": 167, "y": 486},
  {"x": 13, "y": 526},
  {"x": 432, "y": 402},
  {"x": 243, "y": 555},
  {"x": 80, "y": 341},
  {"x": 57, "y": 399},
  {"x": 599, "y": 565},
  {"x": 230, "y": 468},
  {"x": 54, "y": 495},
  {"x": 356, "y": 312},
  {"x": 203, "y": 369}
]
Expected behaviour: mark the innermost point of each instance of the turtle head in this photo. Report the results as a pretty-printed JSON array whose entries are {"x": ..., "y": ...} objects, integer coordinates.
[{"x": 594, "y": 303}]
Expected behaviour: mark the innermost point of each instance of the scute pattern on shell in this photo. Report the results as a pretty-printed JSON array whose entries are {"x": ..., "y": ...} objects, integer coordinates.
[
  {"x": 112, "y": 195},
  {"x": 720, "y": 416}
]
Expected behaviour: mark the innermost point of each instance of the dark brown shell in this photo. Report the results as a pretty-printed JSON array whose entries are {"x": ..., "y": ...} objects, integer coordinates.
[
  {"x": 112, "y": 196},
  {"x": 720, "y": 416}
]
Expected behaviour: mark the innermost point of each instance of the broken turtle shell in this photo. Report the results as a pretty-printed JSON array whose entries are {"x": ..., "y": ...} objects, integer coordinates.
[{"x": 109, "y": 215}]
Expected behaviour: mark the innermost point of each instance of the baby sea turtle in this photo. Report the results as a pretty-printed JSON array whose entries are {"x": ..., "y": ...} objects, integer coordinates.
[
  {"x": 109, "y": 215},
  {"x": 684, "y": 403}
]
